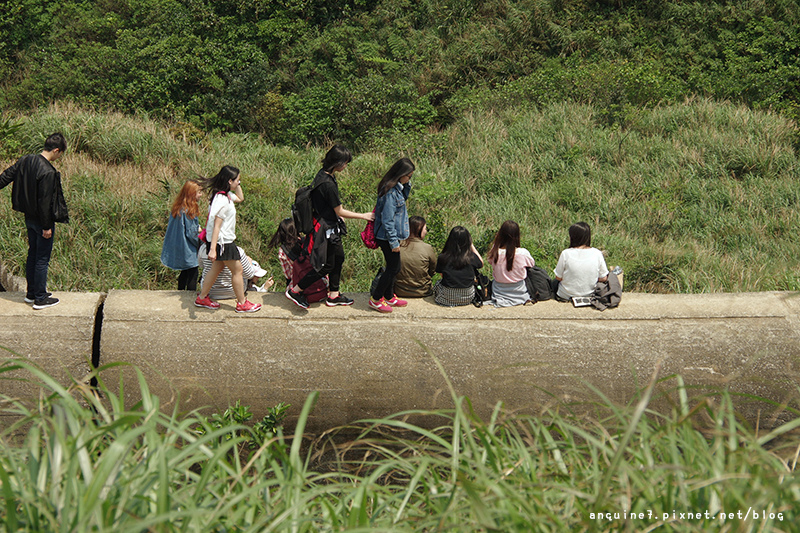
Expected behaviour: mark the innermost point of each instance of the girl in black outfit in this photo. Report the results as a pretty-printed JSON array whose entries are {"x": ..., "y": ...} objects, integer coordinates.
[
  {"x": 327, "y": 252},
  {"x": 457, "y": 264}
]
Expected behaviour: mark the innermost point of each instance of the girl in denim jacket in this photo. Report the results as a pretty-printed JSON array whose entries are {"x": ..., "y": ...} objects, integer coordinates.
[
  {"x": 179, "y": 251},
  {"x": 391, "y": 227}
]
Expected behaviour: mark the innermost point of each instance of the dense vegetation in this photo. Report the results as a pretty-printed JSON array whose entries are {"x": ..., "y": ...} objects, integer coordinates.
[
  {"x": 670, "y": 126},
  {"x": 361, "y": 70},
  {"x": 88, "y": 462},
  {"x": 667, "y": 125},
  {"x": 692, "y": 197}
]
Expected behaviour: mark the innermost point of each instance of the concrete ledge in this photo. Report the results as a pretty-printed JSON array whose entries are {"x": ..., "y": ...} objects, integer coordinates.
[
  {"x": 369, "y": 365},
  {"x": 58, "y": 339},
  {"x": 9, "y": 282}
]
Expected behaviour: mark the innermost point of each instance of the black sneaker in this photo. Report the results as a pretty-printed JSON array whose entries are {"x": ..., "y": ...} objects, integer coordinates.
[
  {"x": 31, "y": 299},
  {"x": 298, "y": 298},
  {"x": 47, "y": 302},
  {"x": 339, "y": 300}
]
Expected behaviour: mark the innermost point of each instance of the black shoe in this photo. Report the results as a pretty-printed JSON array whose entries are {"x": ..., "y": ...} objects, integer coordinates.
[
  {"x": 47, "y": 302},
  {"x": 298, "y": 298},
  {"x": 29, "y": 299},
  {"x": 339, "y": 300}
]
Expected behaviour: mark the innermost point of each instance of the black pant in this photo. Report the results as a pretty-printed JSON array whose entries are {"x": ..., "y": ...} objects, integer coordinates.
[
  {"x": 39, "y": 250},
  {"x": 187, "y": 279},
  {"x": 385, "y": 286},
  {"x": 333, "y": 268}
]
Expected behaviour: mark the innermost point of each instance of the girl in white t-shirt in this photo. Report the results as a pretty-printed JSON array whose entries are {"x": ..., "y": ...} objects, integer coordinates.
[
  {"x": 509, "y": 263},
  {"x": 226, "y": 191},
  {"x": 580, "y": 266}
]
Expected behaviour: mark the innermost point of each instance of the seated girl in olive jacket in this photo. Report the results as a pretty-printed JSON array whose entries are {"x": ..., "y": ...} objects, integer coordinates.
[{"x": 417, "y": 262}]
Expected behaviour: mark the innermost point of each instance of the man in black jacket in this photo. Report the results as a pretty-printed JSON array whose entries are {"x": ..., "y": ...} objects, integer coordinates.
[{"x": 37, "y": 194}]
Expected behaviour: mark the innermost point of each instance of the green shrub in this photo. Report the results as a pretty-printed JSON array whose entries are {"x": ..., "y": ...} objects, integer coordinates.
[
  {"x": 9, "y": 144},
  {"x": 235, "y": 418}
]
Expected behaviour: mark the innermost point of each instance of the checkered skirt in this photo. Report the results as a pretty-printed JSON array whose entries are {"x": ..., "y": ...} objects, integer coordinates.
[{"x": 450, "y": 297}]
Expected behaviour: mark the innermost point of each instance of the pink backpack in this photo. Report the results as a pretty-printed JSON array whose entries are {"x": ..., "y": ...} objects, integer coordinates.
[{"x": 368, "y": 235}]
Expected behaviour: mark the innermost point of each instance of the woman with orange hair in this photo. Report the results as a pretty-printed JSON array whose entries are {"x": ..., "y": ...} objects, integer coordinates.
[{"x": 182, "y": 238}]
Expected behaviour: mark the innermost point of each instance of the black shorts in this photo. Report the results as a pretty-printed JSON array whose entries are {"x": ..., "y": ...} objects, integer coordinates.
[{"x": 226, "y": 252}]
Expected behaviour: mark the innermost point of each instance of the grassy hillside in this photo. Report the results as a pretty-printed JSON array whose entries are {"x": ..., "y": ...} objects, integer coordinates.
[{"x": 691, "y": 197}]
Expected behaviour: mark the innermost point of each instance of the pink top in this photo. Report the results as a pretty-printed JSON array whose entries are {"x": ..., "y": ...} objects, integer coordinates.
[{"x": 522, "y": 259}]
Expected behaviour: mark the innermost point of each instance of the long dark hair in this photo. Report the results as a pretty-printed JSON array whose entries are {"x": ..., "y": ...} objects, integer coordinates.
[
  {"x": 507, "y": 238},
  {"x": 402, "y": 167},
  {"x": 580, "y": 234},
  {"x": 285, "y": 235},
  {"x": 220, "y": 182},
  {"x": 337, "y": 156},
  {"x": 457, "y": 248},
  {"x": 415, "y": 226}
]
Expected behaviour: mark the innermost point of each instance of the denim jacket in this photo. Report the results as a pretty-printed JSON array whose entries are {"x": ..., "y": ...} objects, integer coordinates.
[
  {"x": 181, "y": 242},
  {"x": 391, "y": 216}
]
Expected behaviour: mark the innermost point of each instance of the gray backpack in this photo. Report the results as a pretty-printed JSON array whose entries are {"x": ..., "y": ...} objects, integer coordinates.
[{"x": 539, "y": 284}]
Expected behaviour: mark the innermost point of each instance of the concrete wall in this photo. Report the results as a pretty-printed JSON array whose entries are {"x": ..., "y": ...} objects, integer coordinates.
[
  {"x": 9, "y": 282},
  {"x": 59, "y": 339},
  {"x": 369, "y": 365}
]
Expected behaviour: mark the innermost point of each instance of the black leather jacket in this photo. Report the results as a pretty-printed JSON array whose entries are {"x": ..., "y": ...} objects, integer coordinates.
[{"x": 34, "y": 179}]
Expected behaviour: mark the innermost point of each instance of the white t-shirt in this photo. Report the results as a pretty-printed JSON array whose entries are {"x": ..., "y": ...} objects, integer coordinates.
[
  {"x": 579, "y": 270},
  {"x": 223, "y": 207}
]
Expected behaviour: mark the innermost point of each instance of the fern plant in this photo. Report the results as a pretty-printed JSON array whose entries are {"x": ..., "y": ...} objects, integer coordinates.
[{"x": 9, "y": 144}]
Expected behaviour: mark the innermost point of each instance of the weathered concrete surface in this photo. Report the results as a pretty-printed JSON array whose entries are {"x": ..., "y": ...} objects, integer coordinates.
[
  {"x": 9, "y": 281},
  {"x": 368, "y": 365},
  {"x": 58, "y": 339}
]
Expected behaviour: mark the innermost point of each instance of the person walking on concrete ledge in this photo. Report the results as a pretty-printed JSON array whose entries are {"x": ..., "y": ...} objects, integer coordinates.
[
  {"x": 225, "y": 191},
  {"x": 37, "y": 193},
  {"x": 391, "y": 227},
  {"x": 325, "y": 247}
]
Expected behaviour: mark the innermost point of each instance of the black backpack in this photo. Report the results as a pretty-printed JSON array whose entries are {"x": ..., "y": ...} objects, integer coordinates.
[
  {"x": 483, "y": 289},
  {"x": 539, "y": 284},
  {"x": 303, "y": 210}
]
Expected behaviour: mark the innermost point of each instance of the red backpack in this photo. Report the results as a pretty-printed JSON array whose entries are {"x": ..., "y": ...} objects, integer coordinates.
[{"x": 318, "y": 290}]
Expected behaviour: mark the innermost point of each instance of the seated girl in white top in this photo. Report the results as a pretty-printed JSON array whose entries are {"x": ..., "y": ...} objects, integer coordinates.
[
  {"x": 580, "y": 266},
  {"x": 508, "y": 262}
]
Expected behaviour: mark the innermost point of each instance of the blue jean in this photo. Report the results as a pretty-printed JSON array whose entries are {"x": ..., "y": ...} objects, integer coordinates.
[{"x": 39, "y": 250}]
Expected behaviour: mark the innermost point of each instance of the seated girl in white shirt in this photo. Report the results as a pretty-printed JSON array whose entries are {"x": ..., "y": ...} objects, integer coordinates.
[{"x": 580, "y": 266}]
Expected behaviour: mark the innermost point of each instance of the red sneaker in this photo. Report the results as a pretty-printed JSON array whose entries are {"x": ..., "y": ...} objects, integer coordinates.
[
  {"x": 396, "y": 302},
  {"x": 380, "y": 305},
  {"x": 247, "y": 307},
  {"x": 206, "y": 302}
]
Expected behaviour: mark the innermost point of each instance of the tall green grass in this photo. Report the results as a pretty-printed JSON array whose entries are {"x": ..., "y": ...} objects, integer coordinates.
[
  {"x": 80, "y": 461},
  {"x": 700, "y": 196}
]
